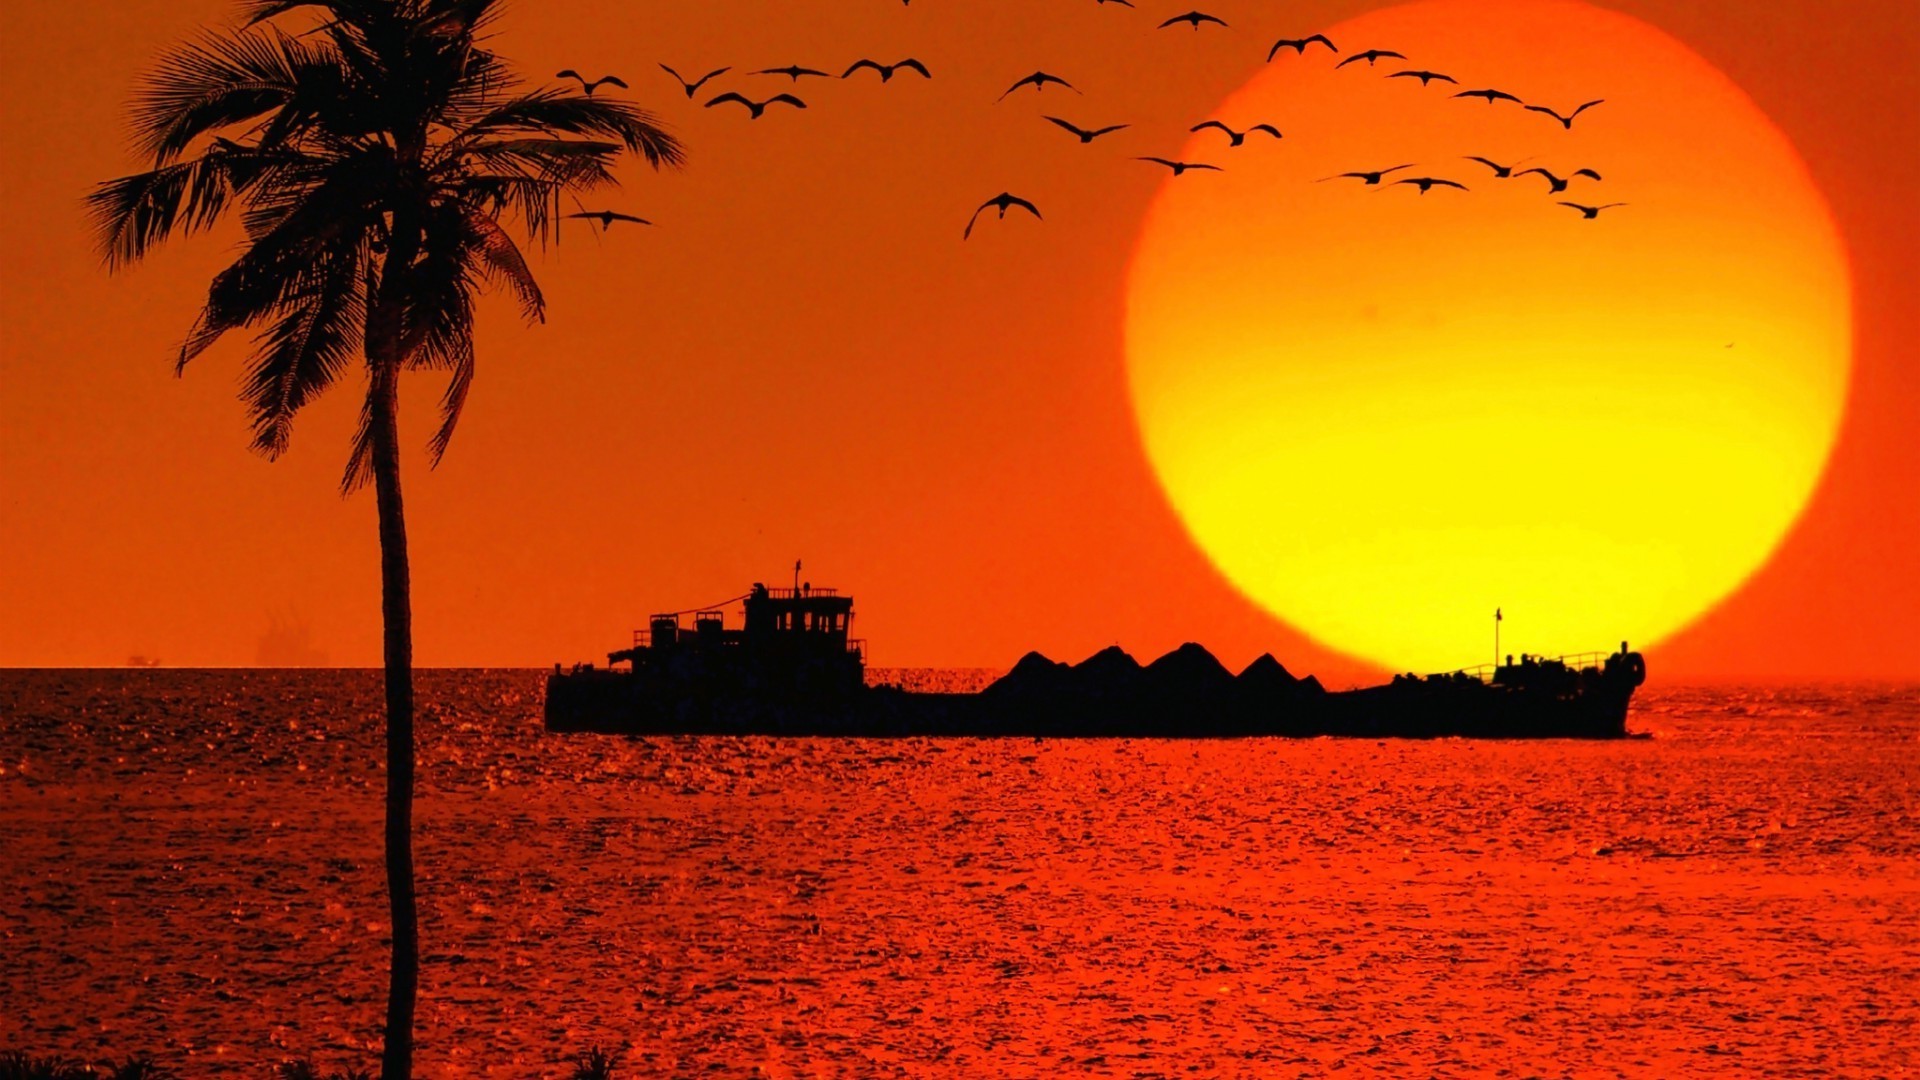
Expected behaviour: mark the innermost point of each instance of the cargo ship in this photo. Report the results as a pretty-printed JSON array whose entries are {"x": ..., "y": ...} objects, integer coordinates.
[{"x": 793, "y": 668}]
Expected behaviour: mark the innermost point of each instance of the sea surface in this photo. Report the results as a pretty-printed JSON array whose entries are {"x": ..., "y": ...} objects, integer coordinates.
[{"x": 190, "y": 867}]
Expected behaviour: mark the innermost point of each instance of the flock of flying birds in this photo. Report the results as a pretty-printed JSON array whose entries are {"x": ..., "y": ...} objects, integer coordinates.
[{"x": 1040, "y": 80}]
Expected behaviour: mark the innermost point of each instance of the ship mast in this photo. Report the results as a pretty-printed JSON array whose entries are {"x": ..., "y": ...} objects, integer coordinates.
[{"x": 1496, "y": 638}]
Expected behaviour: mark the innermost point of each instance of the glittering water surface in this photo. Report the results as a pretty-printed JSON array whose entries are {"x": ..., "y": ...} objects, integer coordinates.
[{"x": 192, "y": 868}]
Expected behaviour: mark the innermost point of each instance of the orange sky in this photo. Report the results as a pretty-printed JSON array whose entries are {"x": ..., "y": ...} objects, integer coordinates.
[{"x": 802, "y": 359}]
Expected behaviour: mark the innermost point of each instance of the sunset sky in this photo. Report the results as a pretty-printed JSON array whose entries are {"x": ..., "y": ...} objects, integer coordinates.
[{"x": 802, "y": 359}]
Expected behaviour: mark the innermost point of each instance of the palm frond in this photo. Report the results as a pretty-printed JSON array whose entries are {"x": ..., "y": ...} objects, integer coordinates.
[
  {"x": 275, "y": 270},
  {"x": 464, "y": 17},
  {"x": 359, "y": 471},
  {"x": 255, "y": 12},
  {"x": 134, "y": 213},
  {"x": 318, "y": 186},
  {"x": 484, "y": 81},
  {"x": 566, "y": 161},
  {"x": 307, "y": 349},
  {"x": 440, "y": 293},
  {"x": 502, "y": 261},
  {"x": 452, "y": 402},
  {"x": 533, "y": 200},
  {"x": 222, "y": 81},
  {"x": 565, "y": 111}
]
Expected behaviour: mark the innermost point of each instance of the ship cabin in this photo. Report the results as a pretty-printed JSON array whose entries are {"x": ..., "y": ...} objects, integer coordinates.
[
  {"x": 796, "y": 626},
  {"x": 1565, "y": 674}
]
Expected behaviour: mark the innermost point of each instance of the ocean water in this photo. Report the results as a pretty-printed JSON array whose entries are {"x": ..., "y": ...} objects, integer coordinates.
[{"x": 190, "y": 867}]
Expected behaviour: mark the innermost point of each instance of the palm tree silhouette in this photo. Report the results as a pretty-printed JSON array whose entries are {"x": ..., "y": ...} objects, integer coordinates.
[{"x": 378, "y": 160}]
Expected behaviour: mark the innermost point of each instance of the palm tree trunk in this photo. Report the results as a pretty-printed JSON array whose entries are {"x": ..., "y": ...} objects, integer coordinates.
[{"x": 396, "y": 610}]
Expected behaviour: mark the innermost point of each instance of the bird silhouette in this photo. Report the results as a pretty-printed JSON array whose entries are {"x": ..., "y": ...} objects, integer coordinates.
[
  {"x": 590, "y": 87},
  {"x": 1425, "y": 77},
  {"x": 1179, "y": 167},
  {"x": 1556, "y": 185},
  {"x": 1004, "y": 201},
  {"x": 1566, "y": 121},
  {"x": 606, "y": 218},
  {"x": 1491, "y": 96},
  {"x": 1499, "y": 170},
  {"x": 1299, "y": 45},
  {"x": 1194, "y": 17},
  {"x": 756, "y": 108},
  {"x": 1039, "y": 80},
  {"x": 1122, "y": 3},
  {"x": 886, "y": 70},
  {"x": 1370, "y": 56},
  {"x": 1372, "y": 178},
  {"x": 1591, "y": 212},
  {"x": 1428, "y": 183},
  {"x": 694, "y": 87},
  {"x": 1237, "y": 137},
  {"x": 795, "y": 72},
  {"x": 1085, "y": 135}
]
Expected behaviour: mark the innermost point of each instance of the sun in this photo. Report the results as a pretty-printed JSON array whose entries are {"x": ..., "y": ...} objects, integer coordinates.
[{"x": 1384, "y": 413}]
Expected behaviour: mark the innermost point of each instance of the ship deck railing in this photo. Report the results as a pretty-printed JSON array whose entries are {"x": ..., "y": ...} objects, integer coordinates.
[
  {"x": 1585, "y": 661},
  {"x": 643, "y": 639}
]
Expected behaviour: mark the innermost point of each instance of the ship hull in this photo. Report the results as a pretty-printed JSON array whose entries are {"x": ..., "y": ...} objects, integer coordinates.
[{"x": 1593, "y": 707}]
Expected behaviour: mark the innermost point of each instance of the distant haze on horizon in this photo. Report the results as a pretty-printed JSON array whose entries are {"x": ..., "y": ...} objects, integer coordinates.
[{"x": 803, "y": 360}]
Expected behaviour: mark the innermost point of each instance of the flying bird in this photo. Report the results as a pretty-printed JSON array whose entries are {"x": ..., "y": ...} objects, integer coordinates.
[
  {"x": 1591, "y": 212},
  {"x": 1499, "y": 170},
  {"x": 1425, "y": 77},
  {"x": 756, "y": 107},
  {"x": 1179, "y": 167},
  {"x": 1085, "y": 135},
  {"x": 1372, "y": 178},
  {"x": 1039, "y": 79},
  {"x": 693, "y": 87},
  {"x": 886, "y": 70},
  {"x": 1237, "y": 137},
  {"x": 1194, "y": 17},
  {"x": 1428, "y": 183},
  {"x": 1491, "y": 96},
  {"x": 1370, "y": 56},
  {"x": 1122, "y": 3},
  {"x": 1004, "y": 202},
  {"x": 795, "y": 72},
  {"x": 1566, "y": 121},
  {"x": 1299, "y": 45},
  {"x": 606, "y": 218},
  {"x": 1556, "y": 184},
  {"x": 590, "y": 87}
]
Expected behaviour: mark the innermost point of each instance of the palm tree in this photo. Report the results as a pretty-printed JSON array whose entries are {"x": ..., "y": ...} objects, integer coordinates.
[{"x": 378, "y": 157}]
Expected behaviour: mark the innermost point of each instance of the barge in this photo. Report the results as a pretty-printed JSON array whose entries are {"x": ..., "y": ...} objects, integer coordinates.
[{"x": 792, "y": 668}]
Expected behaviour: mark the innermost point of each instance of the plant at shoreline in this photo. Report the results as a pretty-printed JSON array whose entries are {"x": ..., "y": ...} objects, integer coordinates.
[
  {"x": 595, "y": 1064},
  {"x": 377, "y": 158},
  {"x": 17, "y": 1065},
  {"x": 303, "y": 1069}
]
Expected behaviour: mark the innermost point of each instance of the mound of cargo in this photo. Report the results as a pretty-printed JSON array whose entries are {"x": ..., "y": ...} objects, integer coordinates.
[{"x": 1187, "y": 691}]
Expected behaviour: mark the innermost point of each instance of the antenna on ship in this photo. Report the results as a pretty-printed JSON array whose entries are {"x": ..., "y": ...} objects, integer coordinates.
[{"x": 1496, "y": 638}]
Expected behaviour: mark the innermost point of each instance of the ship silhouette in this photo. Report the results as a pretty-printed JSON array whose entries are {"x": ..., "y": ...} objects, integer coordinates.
[{"x": 793, "y": 668}]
